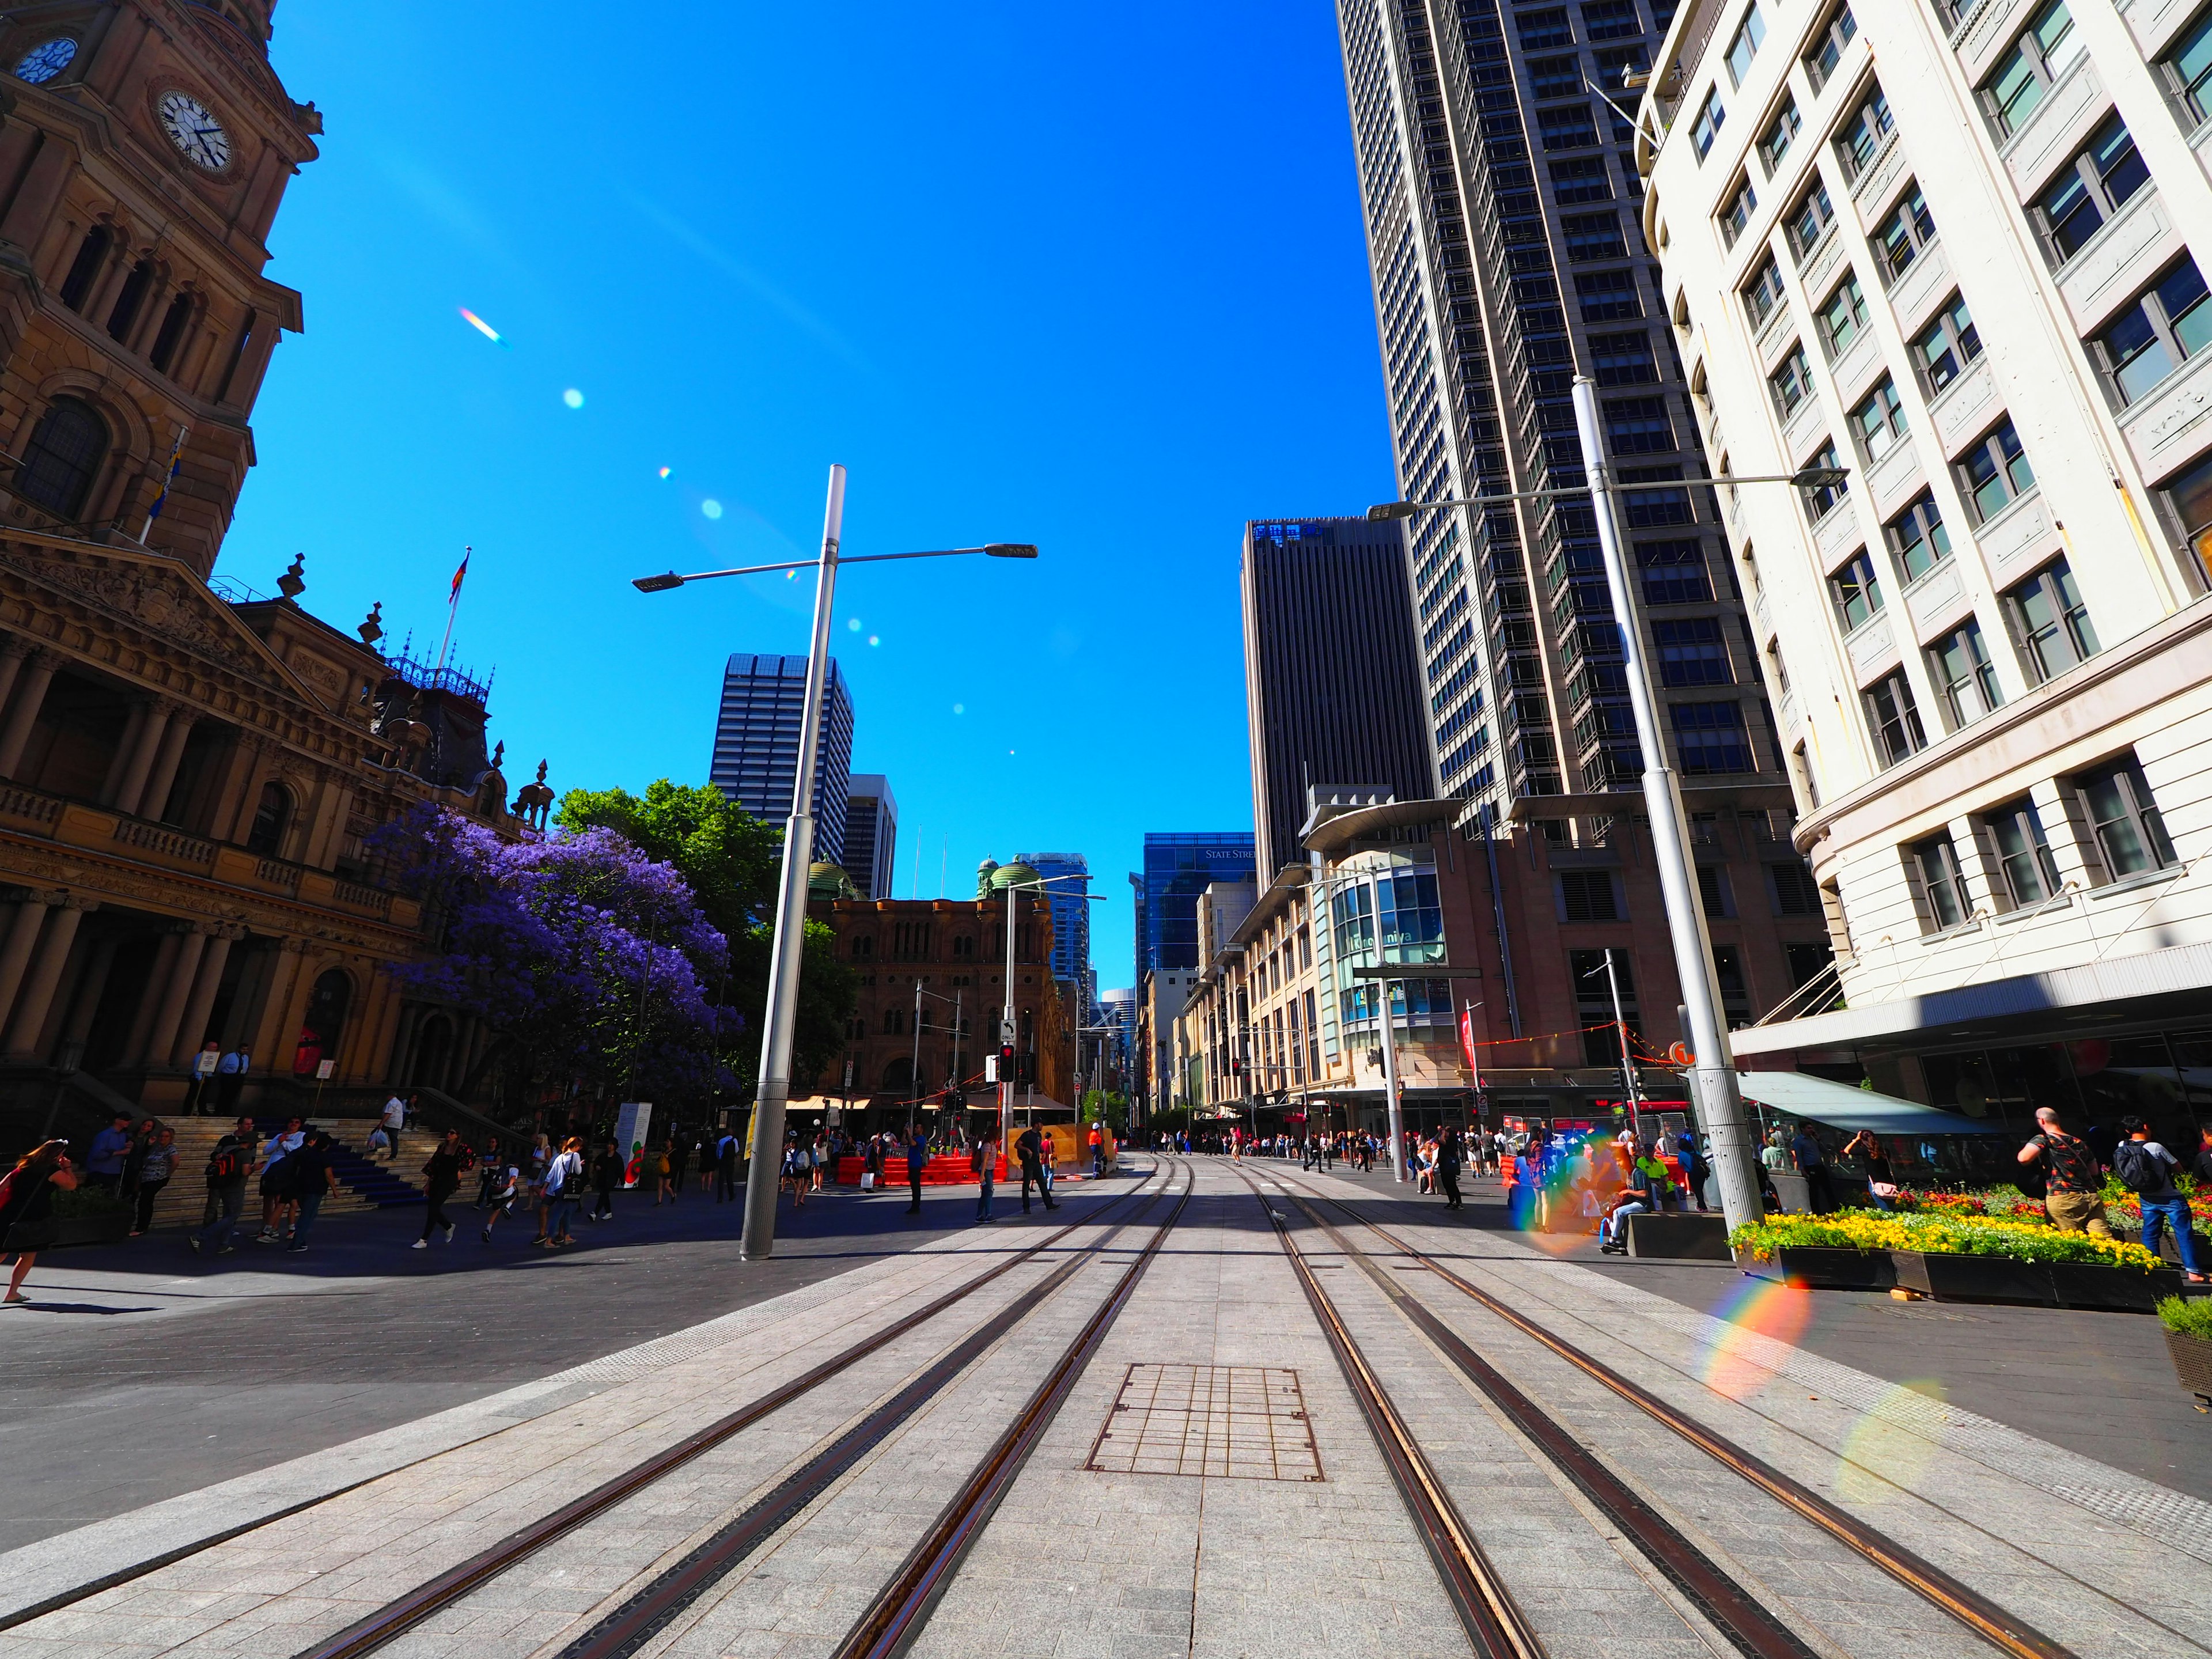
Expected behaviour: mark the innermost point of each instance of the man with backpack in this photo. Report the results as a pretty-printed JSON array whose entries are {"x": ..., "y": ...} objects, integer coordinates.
[
  {"x": 2073, "y": 1194},
  {"x": 227, "y": 1163},
  {"x": 312, "y": 1180},
  {"x": 2146, "y": 1169},
  {"x": 1029, "y": 1146}
]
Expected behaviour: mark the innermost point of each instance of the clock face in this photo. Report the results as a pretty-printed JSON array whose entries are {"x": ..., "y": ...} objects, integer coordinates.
[
  {"x": 192, "y": 128},
  {"x": 42, "y": 64}
]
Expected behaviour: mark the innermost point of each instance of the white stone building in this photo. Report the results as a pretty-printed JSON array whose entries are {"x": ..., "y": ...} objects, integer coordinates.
[{"x": 1957, "y": 251}]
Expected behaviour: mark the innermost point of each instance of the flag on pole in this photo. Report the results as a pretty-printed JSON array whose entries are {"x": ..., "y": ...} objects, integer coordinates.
[
  {"x": 453, "y": 607},
  {"x": 1466, "y": 1047},
  {"x": 460, "y": 575},
  {"x": 168, "y": 478}
]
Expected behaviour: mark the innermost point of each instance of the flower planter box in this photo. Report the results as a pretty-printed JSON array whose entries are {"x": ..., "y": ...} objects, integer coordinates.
[
  {"x": 1942, "y": 1278},
  {"x": 2192, "y": 1364},
  {"x": 2113, "y": 1290},
  {"x": 1817, "y": 1269},
  {"x": 54, "y": 1231},
  {"x": 1679, "y": 1237}
]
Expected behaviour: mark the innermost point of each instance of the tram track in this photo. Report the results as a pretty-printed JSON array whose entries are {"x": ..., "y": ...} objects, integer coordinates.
[
  {"x": 1747, "y": 1622},
  {"x": 664, "y": 1597}
]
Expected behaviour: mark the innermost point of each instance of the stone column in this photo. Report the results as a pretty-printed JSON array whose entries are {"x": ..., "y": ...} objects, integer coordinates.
[
  {"x": 149, "y": 999},
  {"x": 22, "y": 934},
  {"x": 169, "y": 1010},
  {"x": 24, "y": 713},
  {"x": 273, "y": 1034},
  {"x": 89, "y": 990},
  {"x": 126, "y": 744},
  {"x": 372, "y": 1061},
  {"x": 130, "y": 787},
  {"x": 163, "y": 777},
  {"x": 410, "y": 1022},
  {"x": 12, "y": 651},
  {"x": 192, "y": 1031},
  {"x": 45, "y": 975}
]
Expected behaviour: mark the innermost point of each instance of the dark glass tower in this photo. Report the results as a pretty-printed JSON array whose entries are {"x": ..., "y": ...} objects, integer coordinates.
[
  {"x": 1501, "y": 200},
  {"x": 757, "y": 745},
  {"x": 1179, "y": 866}
]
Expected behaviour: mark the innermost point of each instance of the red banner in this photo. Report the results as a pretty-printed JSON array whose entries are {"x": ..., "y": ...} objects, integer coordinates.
[{"x": 1467, "y": 1045}]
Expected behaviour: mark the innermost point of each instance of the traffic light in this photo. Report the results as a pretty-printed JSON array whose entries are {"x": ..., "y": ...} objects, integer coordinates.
[{"x": 1006, "y": 1062}]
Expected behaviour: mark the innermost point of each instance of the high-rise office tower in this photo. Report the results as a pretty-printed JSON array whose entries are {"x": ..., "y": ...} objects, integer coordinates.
[
  {"x": 871, "y": 834},
  {"x": 1179, "y": 866},
  {"x": 757, "y": 745},
  {"x": 1070, "y": 913},
  {"x": 1500, "y": 195},
  {"x": 1332, "y": 686}
]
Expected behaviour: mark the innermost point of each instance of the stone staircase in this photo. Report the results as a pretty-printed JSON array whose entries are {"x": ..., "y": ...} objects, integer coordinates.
[{"x": 364, "y": 1185}]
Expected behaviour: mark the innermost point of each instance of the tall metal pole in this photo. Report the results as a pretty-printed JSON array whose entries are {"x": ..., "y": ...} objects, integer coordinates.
[
  {"x": 914, "y": 1072},
  {"x": 1009, "y": 1033},
  {"x": 1627, "y": 1065},
  {"x": 1391, "y": 1086},
  {"x": 1713, "y": 1073},
  {"x": 758, "y": 1241}
]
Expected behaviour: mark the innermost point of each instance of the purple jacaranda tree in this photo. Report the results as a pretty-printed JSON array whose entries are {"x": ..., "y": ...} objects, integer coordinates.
[{"x": 590, "y": 963}]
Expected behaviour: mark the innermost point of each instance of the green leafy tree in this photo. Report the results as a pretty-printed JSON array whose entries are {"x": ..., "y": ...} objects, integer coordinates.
[
  {"x": 732, "y": 861},
  {"x": 1107, "y": 1107}
]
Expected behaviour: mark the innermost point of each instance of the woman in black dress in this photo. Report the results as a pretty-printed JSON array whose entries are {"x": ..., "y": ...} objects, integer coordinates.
[
  {"x": 26, "y": 1195},
  {"x": 679, "y": 1159}
]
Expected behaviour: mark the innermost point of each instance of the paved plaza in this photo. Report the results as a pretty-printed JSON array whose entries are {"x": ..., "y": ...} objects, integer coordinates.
[{"x": 255, "y": 1457}]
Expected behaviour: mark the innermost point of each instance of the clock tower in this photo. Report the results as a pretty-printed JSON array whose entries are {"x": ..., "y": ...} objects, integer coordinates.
[{"x": 144, "y": 147}]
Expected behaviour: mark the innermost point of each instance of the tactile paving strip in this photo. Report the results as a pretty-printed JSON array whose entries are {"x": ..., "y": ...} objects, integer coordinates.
[{"x": 1242, "y": 1422}]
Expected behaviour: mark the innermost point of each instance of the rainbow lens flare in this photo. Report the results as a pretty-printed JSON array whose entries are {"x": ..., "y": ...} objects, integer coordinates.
[
  {"x": 666, "y": 471},
  {"x": 1755, "y": 1308},
  {"x": 1879, "y": 1456},
  {"x": 481, "y": 326}
]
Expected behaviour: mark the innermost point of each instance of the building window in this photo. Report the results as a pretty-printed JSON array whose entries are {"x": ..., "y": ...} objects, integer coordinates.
[
  {"x": 1947, "y": 346},
  {"x": 2188, "y": 67},
  {"x": 1566, "y": 126},
  {"x": 864, "y": 948},
  {"x": 1764, "y": 292},
  {"x": 1843, "y": 316},
  {"x": 1801, "y": 765},
  {"x": 1856, "y": 591},
  {"x": 1556, "y": 77},
  {"x": 1737, "y": 213},
  {"x": 1581, "y": 179},
  {"x": 1900, "y": 237},
  {"x": 963, "y": 946},
  {"x": 84, "y": 269},
  {"x": 1916, "y": 536},
  {"x": 1796, "y": 892},
  {"x": 1828, "y": 43},
  {"x": 1778, "y": 669},
  {"x": 1744, "y": 44},
  {"x": 63, "y": 457},
  {"x": 1895, "y": 719},
  {"x": 2026, "y": 873},
  {"x": 1638, "y": 426},
  {"x": 2028, "y": 71},
  {"x": 174, "y": 322},
  {"x": 1593, "y": 236},
  {"x": 2131, "y": 833},
  {"x": 1674, "y": 573},
  {"x": 2189, "y": 500},
  {"x": 1862, "y": 134},
  {"x": 1608, "y": 296},
  {"x": 1774, "y": 143},
  {"x": 1708, "y": 737},
  {"x": 1961, "y": 662},
  {"x": 1822, "y": 499},
  {"x": 1594, "y": 992},
  {"x": 1707, "y": 126},
  {"x": 1587, "y": 896},
  {"x": 1995, "y": 472},
  {"x": 265, "y": 838},
  {"x": 1692, "y": 652},
  {"x": 1809, "y": 220},
  {"x": 1879, "y": 421},
  {"x": 129, "y": 299},
  {"x": 1609, "y": 20},
  {"x": 1791, "y": 384},
  {"x": 2089, "y": 189},
  {"x": 1713, "y": 892},
  {"x": 1735, "y": 990},
  {"x": 2169, "y": 322},
  {"x": 1942, "y": 883},
  {"x": 1623, "y": 359},
  {"x": 1545, "y": 28},
  {"x": 2050, "y": 622},
  {"x": 1614, "y": 66}
]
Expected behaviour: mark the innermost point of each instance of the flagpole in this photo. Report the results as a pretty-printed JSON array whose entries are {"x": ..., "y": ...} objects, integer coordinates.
[
  {"x": 453, "y": 610},
  {"x": 161, "y": 498}
]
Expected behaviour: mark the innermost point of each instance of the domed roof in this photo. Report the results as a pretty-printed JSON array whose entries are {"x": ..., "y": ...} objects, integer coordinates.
[
  {"x": 1007, "y": 875},
  {"x": 829, "y": 881}
]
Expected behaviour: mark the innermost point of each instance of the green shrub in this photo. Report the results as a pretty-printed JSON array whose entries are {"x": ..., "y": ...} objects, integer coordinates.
[
  {"x": 2189, "y": 1318},
  {"x": 80, "y": 1203}
]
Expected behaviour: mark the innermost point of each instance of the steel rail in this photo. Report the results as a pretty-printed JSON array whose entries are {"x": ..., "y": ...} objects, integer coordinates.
[
  {"x": 1493, "y": 1619},
  {"x": 1985, "y": 1618},
  {"x": 367, "y": 1634},
  {"x": 898, "y": 1614},
  {"x": 1748, "y": 1625}
]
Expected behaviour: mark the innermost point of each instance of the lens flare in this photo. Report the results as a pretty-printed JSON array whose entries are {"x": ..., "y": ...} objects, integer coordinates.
[
  {"x": 481, "y": 326},
  {"x": 666, "y": 471},
  {"x": 711, "y": 508},
  {"x": 874, "y": 639},
  {"x": 959, "y": 707},
  {"x": 1754, "y": 1308},
  {"x": 851, "y": 624},
  {"x": 572, "y": 398},
  {"x": 1880, "y": 1456}
]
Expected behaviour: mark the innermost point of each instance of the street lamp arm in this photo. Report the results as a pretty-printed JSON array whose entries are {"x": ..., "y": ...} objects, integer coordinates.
[
  {"x": 1806, "y": 477},
  {"x": 668, "y": 580}
]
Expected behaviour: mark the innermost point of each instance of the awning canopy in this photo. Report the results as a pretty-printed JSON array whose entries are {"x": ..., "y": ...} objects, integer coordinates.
[{"x": 1841, "y": 1106}]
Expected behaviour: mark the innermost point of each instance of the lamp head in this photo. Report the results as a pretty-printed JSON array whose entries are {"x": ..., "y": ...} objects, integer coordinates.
[
  {"x": 1820, "y": 477},
  {"x": 657, "y": 584},
  {"x": 1383, "y": 510},
  {"x": 1010, "y": 550}
]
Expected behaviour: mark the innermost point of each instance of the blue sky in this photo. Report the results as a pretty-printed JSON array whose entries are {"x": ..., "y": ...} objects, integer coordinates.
[{"x": 1091, "y": 279}]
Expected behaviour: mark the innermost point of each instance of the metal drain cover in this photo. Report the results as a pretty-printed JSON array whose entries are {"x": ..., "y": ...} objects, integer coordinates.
[{"x": 1240, "y": 1422}]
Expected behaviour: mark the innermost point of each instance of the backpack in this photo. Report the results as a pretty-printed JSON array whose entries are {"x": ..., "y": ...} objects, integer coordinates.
[
  {"x": 224, "y": 1162},
  {"x": 2139, "y": 1172}
]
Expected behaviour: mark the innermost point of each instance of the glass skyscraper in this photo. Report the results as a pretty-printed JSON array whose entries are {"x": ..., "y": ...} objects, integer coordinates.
[
  {"x": 1179, "y": 866},
  {"x": 1070, "y": 913},
  {"x": 756, "y": 759},
  {"x": 870, "y": 835}
]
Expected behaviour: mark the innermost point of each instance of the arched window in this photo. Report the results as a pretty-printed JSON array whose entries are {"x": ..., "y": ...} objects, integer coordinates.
[
  {"x": 325, "y": 1023},
  {"x": 899, "y": 1074},
  {"x": 63, "y": 457},
  {"x": 270, "y": 819},
  {"x": 84, "y": 269},
  {"x": 890, "y": 1022},
  {"x": 136, "y": 287},
  {"x": 863, "y": 948},
  {"x": 173, "y": 325}
]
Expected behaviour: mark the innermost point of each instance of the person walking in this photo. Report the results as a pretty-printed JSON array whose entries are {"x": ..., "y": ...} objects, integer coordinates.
[
  {"x": 1695, "y": 1169},
  {"x": 441, "y": 1176},
  {"x": 200, "y": 1090},
  {"x": 984, "y": 1160},
  {"x": 228, "y": 1161},
  {"x": 1097, "y": 1141},
  {"x": 2147, "y": 1170},
  {"x": 1448, "y": 1162},
  {"x": 230, "y": 1075},
  {"x": 2073, "y": 1184},
  {"x": 917, "y": 1161},
  {"x": 563, "y": 1176},
  {"x": 1813, "y": 1164},
  {"x": 679, "y": 1162},
  {"x": 487, "y": 1169},
  {"x": 394, "y": 1119},
  {"x": 276, "y": 1205},
  {"x": 154, "y": 1169},
  {"x": 510, "y": 1188},
  {"x": 1881, "y": 1180},
  {"x": 312, "y": 1180},
  {"x": 26, "y": 1196},
  {"x": 662, "y": 1163},
  {"x": 724, "y": 1167},
  {"x": 606, "y": 1174},
  {"x": 1028, "y": 1146}
]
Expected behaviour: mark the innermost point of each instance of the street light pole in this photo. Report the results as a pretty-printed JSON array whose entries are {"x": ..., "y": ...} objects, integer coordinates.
[
  {"x": 1713, "y": 1082},
  {"x": 758, "y": 1241}
]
